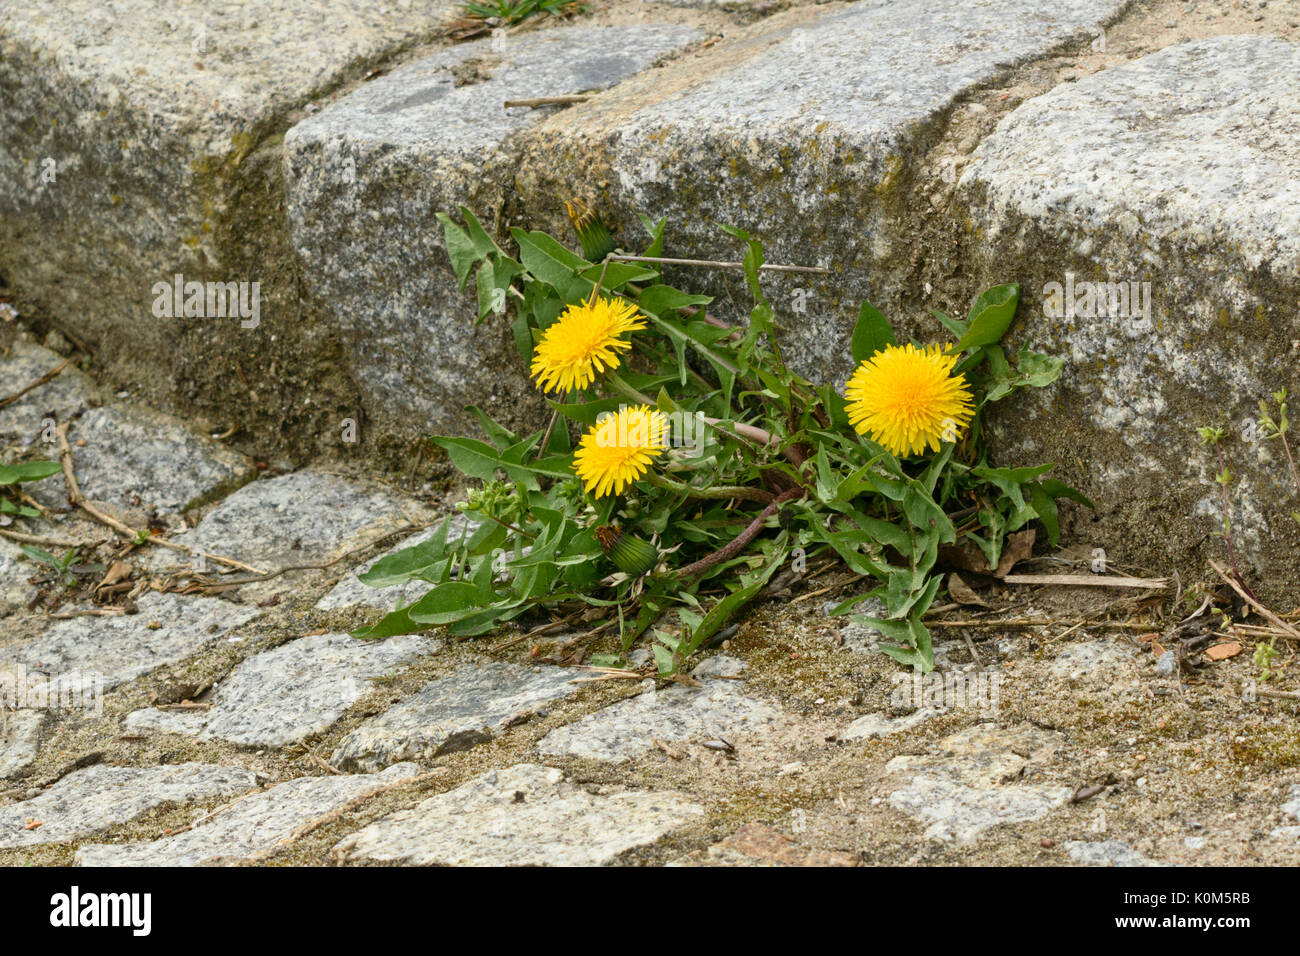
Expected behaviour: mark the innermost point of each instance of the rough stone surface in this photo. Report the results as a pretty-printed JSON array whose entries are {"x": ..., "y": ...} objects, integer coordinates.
[
  {"x": 1093, "y": 661},
  {"x": 524, "y": 815},
  {"x": 306, "y": 517},
  {"x": 1181, "y": 170},
  {"x": 1167, "y": 664},
  {"x": 23, "y": 422},
  {"x": 871, "y": 726},
  {"x": 1292, "y": 807},
  {"x": 967, "y": 788},
  {"x": 20, "y": 735},
  {"x": 1106, "y": 853},
  {"x": 350, "y": 592},
  {"x": 15, "y": 569},
  {"x": 255, "y": 824},
  {"x": 147, "y": 161},
  {"x": 153, "y": 720},
  {"x": 452, "y": 713},
  {"x": 755, "y": 844},
  {"x": 302, "y": 687},
  {"x": 139, "y": 459},
  {"x": 365, "y": 175},
  {"x": 678, "y": 713},
  {"x": 799, "y": 130},
  {"x": 100, "y": 796},
  {"x": 291, "y": 691},
  {"x": 167, "y": 629}
]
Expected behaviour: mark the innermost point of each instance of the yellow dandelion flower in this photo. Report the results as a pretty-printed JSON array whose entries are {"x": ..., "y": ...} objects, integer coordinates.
[
  {"x": 907, "y": 399},
  {"x": 583, "y": 342},
  {"x": 619, "y": 448}
]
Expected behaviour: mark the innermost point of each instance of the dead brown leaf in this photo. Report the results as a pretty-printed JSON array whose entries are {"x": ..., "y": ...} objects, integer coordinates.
[
  {"x": 118, "y": 571},
  {"x": 967, "y": 557},
  {"x": 962, "y": 593},
  {"x": 1221, "y": 652},
  {"x": 1017, "y": 548}
]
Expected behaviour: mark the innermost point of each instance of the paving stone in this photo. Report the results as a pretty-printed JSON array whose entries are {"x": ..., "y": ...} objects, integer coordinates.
[
  {"x": 967, "y": 787},
  {"x": 720, "y": 665},
  {"x": 306, "y": 517},
  {"x": 88, "y": 800},
  {"x": 20, "y": 737},
  {"x": 149, "y": 161},
  {"x": 625, "y": 729},
  {"x": 364, "y": 175},
  {"x": 1093, "y": 661},
  {"x": 872, "y": 726},
  {"x": 1106, "y": 853},
  {"x": 167, "y": 629},
  {"x": 139, "y": 459},
  {"x": 302, "y": 687},
  {"x": 350, "y": 592},
  {"x": 289, "y": 692},
  {"x": 452, "y": 713},
  {"x": 1180, "y": 169},
  {"x": 15, "y": 569},
  {"x": 755, "y": 844},
  {"x": 152, "y": 720},
  {"x": 1292, "y": 807},
  {"x": 254, "y": 824},
  {"x": 524, "y": 815},
  {"x": 25, "y": 421},
  {"x": 800, "y": 129}
]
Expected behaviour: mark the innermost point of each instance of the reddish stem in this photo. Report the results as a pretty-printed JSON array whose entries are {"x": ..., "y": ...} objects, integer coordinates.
[{"x": 737, "y": 544}]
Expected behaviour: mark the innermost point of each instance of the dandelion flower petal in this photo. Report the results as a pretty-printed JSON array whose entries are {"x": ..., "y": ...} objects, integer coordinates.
[
  {"x": 619, "y": 449},
  {"x": 583, "y": 341},
  {"x": 907, "y": 399}
]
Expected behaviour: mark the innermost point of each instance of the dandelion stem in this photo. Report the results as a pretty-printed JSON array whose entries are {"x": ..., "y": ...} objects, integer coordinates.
[
  {"x": 616, "y": 382},
  {"x": 713, "y": 491},
  {"x": 508, "y": 526},
  {"x": 760, "y": 435},
  {"x": 1295, "y": 475}
]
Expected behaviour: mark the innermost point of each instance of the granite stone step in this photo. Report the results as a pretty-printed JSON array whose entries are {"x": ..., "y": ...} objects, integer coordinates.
[
  {"x": 803, "y": 130},
  {"x": 1151, "y": 213},
  {"x": 133, "y": 148},
  {"x": 365, "y": 175}
]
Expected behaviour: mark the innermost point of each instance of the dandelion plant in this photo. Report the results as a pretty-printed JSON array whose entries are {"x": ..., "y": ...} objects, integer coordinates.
[{"x": 684, "y": 463}]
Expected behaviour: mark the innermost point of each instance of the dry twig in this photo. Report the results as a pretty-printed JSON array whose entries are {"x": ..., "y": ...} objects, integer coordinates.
[
  {"x": 47, "y": 377},
  {"x": 79, "y": 500}
]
